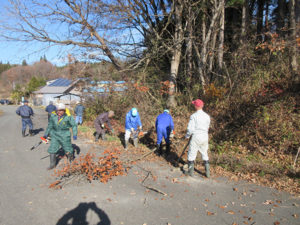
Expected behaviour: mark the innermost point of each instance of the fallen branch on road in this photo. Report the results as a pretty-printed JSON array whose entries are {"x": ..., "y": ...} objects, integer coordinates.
[
  {"x": 143, "y": 156},
  {"x": 150, "y": 187}
]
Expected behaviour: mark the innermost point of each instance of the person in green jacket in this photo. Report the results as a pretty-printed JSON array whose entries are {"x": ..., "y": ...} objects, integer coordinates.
[{"x": 59, "y": 128}]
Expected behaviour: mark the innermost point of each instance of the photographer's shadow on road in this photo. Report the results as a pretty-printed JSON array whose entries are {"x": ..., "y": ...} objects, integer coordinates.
[{"x": 78, "y": 216}]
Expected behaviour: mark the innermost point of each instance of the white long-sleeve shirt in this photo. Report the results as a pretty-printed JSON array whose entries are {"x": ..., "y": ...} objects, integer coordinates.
[{"x": 199, "y": 125}]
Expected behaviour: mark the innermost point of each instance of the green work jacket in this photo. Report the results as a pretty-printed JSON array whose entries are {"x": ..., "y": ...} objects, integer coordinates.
[{"x": 61, "y": 129}]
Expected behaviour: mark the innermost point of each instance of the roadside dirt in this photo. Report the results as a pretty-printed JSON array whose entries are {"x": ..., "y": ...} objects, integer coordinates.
[{"x": 26, "y": 198}]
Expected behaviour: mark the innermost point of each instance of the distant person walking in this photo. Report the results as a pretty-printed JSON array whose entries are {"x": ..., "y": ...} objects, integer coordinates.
[
  {"x": 79, "y": 110},
  {"x": 198, "y": 131},
  {"x": 26, "y": 112},
  {"x": 50, "y": 108}
]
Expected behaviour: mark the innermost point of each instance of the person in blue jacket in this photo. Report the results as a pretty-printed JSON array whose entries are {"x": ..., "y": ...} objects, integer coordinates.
[
  {"x": 164, "y": 129},
  {"x": 79, "y": 110},
  {"x": 133, "y": 125},
  {"x": 50, "y": 108},
  {"x": 26, "y": 112}
]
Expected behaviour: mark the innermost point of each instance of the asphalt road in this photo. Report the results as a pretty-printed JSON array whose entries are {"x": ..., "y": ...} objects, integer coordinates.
[{"x": 26, "y": 199}]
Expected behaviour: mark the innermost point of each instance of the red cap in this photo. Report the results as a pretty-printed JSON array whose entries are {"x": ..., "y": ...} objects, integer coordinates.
[{"x": 198, "y": 103}]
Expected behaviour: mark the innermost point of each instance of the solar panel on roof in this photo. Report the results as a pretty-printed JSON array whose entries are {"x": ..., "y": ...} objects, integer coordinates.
[{"x": 60, "y": 82}]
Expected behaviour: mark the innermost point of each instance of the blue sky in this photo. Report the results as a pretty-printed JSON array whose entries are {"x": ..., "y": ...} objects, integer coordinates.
[{"x": 15, "y": 52}]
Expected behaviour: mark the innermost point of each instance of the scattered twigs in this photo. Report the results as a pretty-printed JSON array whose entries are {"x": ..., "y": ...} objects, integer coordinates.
[
  {"x": 89, "y": 167},
  {"x": 155, "y": 189},
  {"x": 296, "y": 157},
  {"x": 148, "y": 186},
  {"x": 143, "y": 156}
]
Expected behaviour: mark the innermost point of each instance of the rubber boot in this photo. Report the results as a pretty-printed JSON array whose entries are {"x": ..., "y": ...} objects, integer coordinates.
[
  {"x": 135, "y": 142},
  {"x": 103, "y": 137},
  {"x": 30, "y": 133},
  {"x": 190, "y": 170},
  {"x": 207, "y": 172},
  {"x": 168, "y": 148},
  {"x": 159, "y": 149},
  {"x": 23, "y": 133},
  {"x": 126, "y": 145},
  {"x": 97, "y": 137},
  {"x": 52, "y": 161}
]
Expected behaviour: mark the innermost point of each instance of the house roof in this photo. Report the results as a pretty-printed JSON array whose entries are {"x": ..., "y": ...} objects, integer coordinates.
[
  {"x": 60, "y": 82},
  {"x": 51, "y": 90},
  {"x": 58, "y": 86}
]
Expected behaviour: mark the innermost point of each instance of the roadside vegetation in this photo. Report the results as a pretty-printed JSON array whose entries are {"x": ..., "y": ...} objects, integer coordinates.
[{"x": 240, "y": 57}]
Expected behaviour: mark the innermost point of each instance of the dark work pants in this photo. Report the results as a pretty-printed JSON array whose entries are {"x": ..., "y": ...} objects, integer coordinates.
[{"x": 26, "y": 122}]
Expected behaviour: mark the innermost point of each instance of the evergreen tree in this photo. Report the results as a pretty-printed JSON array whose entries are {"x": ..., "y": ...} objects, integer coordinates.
[{"x": 24, "y": 63}]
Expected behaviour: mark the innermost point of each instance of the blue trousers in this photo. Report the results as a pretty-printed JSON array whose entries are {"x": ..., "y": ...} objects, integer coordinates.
[
  {"x": 26, "y": 122},
  {"x": 78, "y": 119},
  {"x": 163, "y": 132}
]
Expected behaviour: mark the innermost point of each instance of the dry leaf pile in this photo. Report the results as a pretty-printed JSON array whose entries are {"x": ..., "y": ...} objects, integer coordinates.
[{"x": 88, "y": 167}]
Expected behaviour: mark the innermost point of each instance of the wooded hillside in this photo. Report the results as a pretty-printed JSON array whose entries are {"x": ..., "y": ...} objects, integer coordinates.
[{"x": 240, "y": 56}]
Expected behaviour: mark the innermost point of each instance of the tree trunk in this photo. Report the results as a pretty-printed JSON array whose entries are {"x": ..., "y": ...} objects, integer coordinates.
[
  {"x": 259, "y": 18},
  {"x": 280, "y": 19},
  {"x": 245, "y": 20},
  {"x": 212, "y": 51},
  {"x": 267, "y": 17},
  {"x": 176, "y": 54},
  {"x": 221, "y": 35},
  {"x": 297, "y": 14},
  {"x": 189, "y": 46},
  {"x": 293, "y": 55}
]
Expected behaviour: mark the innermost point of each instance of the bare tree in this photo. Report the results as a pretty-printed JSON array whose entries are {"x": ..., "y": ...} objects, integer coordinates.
[
  {"x": 221, "y": 34},
  {"x": 62, "y": 22},
  {"x": 208, "y": 30},
  {"x": 245, "y": 19},
  {"x": 293, "y": 36}
]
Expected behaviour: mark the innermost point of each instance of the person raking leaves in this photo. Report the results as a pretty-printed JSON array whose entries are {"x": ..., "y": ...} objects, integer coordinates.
[
  {"x": 198, "y": 131},
  {"x": 101, "y": 120},
  {"x": 59, "y": 128},
  {"x": 164, "y": 129},
  {"x": 133, "y": 125}
]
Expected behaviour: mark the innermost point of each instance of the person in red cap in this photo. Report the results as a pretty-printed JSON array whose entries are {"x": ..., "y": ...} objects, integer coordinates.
[{"x": 198, "y": 131}]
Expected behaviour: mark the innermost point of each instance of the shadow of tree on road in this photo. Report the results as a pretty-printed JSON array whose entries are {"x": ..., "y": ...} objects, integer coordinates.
[{"x": 78, "y": 215}]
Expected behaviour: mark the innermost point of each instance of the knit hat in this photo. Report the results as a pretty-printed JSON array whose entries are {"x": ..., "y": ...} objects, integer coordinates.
[
  {"x": 61, "y": 106},
  {"x": 134, "y": 112},
  {"x": 198, "y": 103}
]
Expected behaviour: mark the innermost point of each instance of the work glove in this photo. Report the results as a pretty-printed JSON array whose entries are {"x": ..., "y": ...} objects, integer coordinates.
[
  {"x": 102, "y": 125},
  {"x": 172, "y": 134},
  {"x": 74, "y": 137}
]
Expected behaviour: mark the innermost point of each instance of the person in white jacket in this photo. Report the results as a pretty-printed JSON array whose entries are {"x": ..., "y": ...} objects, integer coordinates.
[{"x": 197, "y": 130}]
